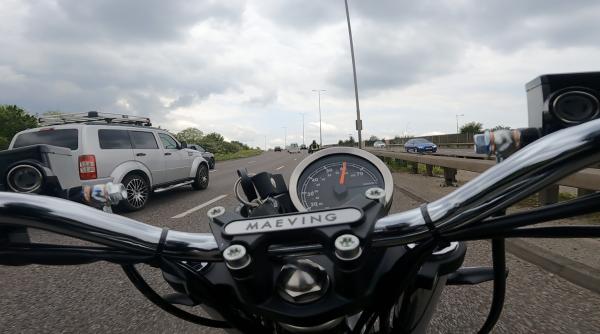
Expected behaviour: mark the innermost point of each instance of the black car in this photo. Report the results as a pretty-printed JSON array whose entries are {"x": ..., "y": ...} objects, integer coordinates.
[
  {"x": 277, "y": 149},
  {"x": 209, "y": 157}
]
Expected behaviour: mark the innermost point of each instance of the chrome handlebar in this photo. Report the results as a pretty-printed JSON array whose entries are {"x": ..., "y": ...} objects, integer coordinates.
[
  {"x": 529, "y": 170},
  {"x": 79, "y": 221}
]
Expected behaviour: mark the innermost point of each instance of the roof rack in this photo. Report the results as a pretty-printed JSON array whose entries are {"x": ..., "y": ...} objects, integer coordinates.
[{"x": 93, "y": 117}]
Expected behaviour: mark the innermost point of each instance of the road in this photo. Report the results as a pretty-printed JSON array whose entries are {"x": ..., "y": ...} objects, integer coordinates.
[{"x": 98, "y": 298}]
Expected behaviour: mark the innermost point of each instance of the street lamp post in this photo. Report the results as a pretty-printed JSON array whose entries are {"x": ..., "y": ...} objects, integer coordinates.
[
  {"x": 265, "y": 143},
  {"x": 284, "y": 137},
  {"x": 320, "y": 126},
  {"x": 303, "y": 141},
  {"x": 457, "y": 116},
  {"x": 358, "y": 120}
]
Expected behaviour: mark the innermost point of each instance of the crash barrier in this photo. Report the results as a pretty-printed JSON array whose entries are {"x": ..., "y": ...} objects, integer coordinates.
[
  {"x": 586, "y": 181},
  {"x": 454, "y": 140}
]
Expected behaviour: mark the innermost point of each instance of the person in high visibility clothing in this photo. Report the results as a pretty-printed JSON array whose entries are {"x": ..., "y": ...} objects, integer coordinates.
[{"x": 313, "y": 147}]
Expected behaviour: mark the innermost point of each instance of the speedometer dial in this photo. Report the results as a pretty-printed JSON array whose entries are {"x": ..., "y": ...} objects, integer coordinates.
[
  {"x": 333, "y": 177},
  {"x": 334, "y": 180},
  {"x": 335, "y": 183}
]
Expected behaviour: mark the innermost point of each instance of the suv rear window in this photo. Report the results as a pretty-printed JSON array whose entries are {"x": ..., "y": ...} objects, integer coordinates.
[
  {"x": 143, "y": 140},
  {"x": 114, "y": 139},
  {"x": 57, "y": 137}
]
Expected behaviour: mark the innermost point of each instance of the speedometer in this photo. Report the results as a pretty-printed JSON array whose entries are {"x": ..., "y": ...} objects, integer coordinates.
[{"x": 332, "y": 177}]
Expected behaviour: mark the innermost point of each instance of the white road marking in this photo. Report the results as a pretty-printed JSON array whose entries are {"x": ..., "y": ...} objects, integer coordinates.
[
  {"x": 196, "y": 208},
  {"x": 280, "y": 167},
  {"x": 295, "y": 159},
  {"x": 213, "y": 170}
]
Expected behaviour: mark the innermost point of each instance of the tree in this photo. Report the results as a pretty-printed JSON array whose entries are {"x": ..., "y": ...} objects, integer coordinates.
[
  {"x": 373, "y": 138},
  {"x": 240, "y": 144},
  {"x": 13, "y": 119},
  {"x": 213, "y": 136},
  {"x": 472, "y": 127},
  {"x": 190, "y": 136},
  {"x": 501, "y": 127}
]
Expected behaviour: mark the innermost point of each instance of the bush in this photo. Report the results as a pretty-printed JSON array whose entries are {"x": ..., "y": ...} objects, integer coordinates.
[{"x": 212, "y": 142}]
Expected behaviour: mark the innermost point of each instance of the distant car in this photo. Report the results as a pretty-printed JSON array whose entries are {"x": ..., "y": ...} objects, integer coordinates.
[
  {"x": 209, "y": 157},
  {"x": 293, "y": 148},
  {"x": 420, "y": 145},
  {"x": 303, "y": 147},
  {"x": 277, "y": 149},
  {"x": 379, "y": 144}
]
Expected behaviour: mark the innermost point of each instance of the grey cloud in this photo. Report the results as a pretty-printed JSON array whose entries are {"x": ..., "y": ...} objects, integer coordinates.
[
  {"x": 264, "y": 99},
  {"x": 391, "y": 59},
  {"x": 183, "y": 101},
  {"x": 304, "y": 15},
  {"x": 81, "y": 55},
  {"x": 504, "y": 25},
  {"x": 442, "y": 32},
  {"x": 114, "y": 20}
]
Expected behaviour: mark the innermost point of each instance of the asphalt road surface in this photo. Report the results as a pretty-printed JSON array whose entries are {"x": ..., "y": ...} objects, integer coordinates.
[{"x": 98, "y": 298}]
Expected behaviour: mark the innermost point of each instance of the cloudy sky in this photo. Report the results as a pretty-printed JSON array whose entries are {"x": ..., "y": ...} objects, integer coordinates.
[{"x": 247, "y": 68}]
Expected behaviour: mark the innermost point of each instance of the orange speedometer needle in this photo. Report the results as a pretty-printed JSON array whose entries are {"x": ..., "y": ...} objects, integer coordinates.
[{"x": 343, "y": 173}]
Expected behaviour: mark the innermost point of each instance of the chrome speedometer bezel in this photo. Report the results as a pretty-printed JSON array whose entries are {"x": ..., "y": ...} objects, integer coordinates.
[{"x": 383, "y": 169}]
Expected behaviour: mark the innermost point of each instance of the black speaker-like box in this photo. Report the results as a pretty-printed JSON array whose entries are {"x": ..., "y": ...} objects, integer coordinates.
[{"x": 557, "y": 101}]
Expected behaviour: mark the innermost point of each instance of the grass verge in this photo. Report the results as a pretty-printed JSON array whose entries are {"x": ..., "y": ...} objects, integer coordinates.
[{"x": 237, "y": 155}]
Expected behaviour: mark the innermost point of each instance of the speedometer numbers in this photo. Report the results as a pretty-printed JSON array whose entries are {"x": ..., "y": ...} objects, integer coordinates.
[{"x": 334, "y": 183}]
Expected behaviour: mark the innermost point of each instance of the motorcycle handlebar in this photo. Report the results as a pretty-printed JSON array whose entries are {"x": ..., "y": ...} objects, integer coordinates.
[
  {"x": 86, "y": 223},
  {"x": 529, "y": 170}
]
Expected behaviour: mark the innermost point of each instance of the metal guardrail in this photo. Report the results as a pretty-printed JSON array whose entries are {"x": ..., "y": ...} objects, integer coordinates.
[
  {"x": 588, "y": 178},
  {"x": 443, "y": 145}
]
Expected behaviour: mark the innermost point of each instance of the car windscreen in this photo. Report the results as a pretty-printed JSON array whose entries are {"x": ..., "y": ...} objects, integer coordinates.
[{"x": 58, "y": 137}]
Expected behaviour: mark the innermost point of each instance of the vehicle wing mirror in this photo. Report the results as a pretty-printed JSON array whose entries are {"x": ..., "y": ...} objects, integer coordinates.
[{"x": 183, "y": 145}]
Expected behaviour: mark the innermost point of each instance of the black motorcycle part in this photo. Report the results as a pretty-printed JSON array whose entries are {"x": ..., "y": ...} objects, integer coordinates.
[
  {"x": 247, "y": 186},
  {"x": 139, "y": 282},
  {"x": 269, "y": 185},
  {"x": 471, "y": 276},
  {"x": 254, "y": 285},
  {"x": 499, "y": 263},
  {"x": 440, "y": 265}
]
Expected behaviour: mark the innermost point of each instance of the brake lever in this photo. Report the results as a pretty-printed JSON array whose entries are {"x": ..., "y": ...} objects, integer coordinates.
[{"x": 472, "y": 276}]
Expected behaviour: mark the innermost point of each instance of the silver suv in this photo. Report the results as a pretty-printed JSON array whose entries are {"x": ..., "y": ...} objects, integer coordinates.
[{"x": 143, "y": 158}]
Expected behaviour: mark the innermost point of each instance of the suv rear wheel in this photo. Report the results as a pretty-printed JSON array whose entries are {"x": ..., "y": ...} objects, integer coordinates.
[
  {"x": 25, "y": 178},
  {"x": 137, "y": 192},
  {"x": 201, "y": 180}
]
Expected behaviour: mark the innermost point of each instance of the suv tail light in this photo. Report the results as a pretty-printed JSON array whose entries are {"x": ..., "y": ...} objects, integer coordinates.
[{"x": 87, "y": 167}]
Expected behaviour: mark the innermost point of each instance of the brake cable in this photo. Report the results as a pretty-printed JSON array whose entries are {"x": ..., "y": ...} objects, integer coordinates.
[
  {"x": 138, "y": 281},
  {"x": 499, "y": 265}
]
